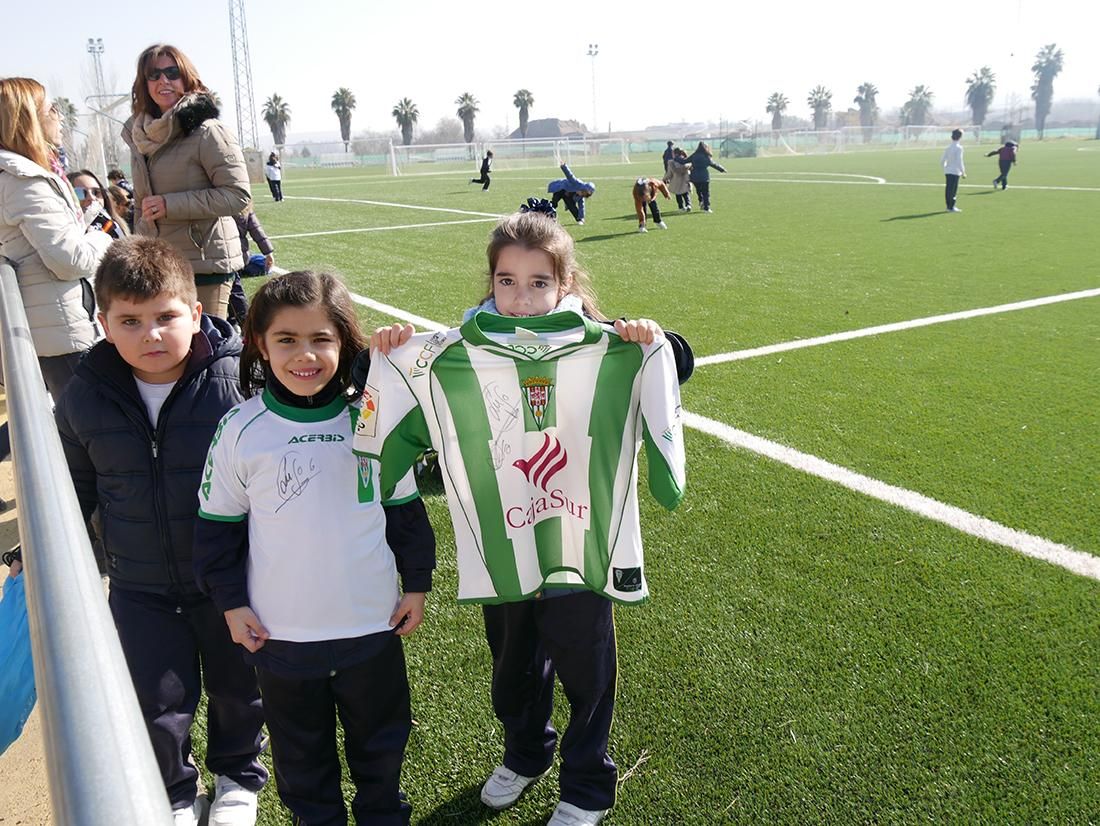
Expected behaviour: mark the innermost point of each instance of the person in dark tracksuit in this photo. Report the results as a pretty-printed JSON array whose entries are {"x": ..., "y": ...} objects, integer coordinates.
[
  {"x": 573, "y": 191},
  {"x": 134, "y": 421},
  {"x": 701, "y": 162},
  {"x": 322, "y": 620},
  {"x": 248, "y": 224},
  {"x": 1006, "y": 157},
  {"x": 486, "y": 165}
]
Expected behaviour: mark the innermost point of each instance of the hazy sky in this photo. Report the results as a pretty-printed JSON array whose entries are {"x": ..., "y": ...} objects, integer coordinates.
[{"x": 657, "y": 62}]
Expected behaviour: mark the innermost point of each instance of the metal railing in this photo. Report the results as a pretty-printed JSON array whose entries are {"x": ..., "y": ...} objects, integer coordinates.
[{"x": 100, "y": 764}]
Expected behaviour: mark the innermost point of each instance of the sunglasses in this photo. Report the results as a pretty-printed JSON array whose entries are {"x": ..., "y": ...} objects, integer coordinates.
[
  {"x": 170, "y": 72},
  {"x": 83, "y": 192}
]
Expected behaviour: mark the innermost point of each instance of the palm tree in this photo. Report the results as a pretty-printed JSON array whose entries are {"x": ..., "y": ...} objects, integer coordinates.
[
  {"x": 820, "y": 100},
  {"x": 343, "y": 102},
  {"x": 1047, "y": 66},
  {"x": 523, "y": 100},
  {"x": 914, "y": 112},
  {"x": 406, "y": 114},
  {"x": 467, "y": 110},
  {"x": 979, "y": 93},
  {"x": 276, "y": 115},
  {"x": 777, "y": 105},
  {"x": 868, "y": 108}
]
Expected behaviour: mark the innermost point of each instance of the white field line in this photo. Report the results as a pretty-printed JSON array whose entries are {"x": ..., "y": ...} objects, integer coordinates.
[
  {"x": 1073, "y": 560},
  {"x": 396, "y": 312},
  {"x": 383, "y": 229},
  {"x": 389, "y": 204},
  {"x": 848, "y": 335}
]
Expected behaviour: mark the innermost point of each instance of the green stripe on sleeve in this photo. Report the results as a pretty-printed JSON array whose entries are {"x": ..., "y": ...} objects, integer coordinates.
[{"x": 213, "y": 517}]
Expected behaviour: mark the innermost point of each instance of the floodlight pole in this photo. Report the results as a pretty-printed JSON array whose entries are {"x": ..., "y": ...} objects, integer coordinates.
[
  {"x": 96, "y": 49},
  {"x": 593, "y": 50}
]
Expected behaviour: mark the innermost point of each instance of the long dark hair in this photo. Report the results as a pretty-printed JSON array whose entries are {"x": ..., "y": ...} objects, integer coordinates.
[
  {"x": 535, "y": 231},
  {"x": 300, "y": 289},
  {"x": 108, "y": 204}
]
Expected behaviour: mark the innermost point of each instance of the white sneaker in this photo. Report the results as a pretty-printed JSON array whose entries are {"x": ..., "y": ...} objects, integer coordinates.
[
  {"x": 687, "y": 208},
  {"x": 642, "y": 229},
  {"x": 580, "y": 223},
  {"x": 663, "y": 225},
  {"x": 233, "y": 804},
  {"x": 504, "y": 787},
  {"x": 566, "y": 814},
  {"x": 190, "y": 815},
  {"x": 954, "y": 209},
  {"x": 707, "y": 209}
]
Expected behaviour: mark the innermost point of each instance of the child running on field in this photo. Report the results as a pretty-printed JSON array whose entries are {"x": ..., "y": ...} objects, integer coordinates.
[
  {"x": 1006, "y": 158},
  {"x": 537, "y": 411},
  {"x": 701, "y": 162},
  {"x": 298, "y": 547},
  {"x": 486, "y": 167}
]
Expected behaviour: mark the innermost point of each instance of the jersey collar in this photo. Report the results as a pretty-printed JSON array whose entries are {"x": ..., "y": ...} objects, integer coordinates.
[
  {"x": 475, "y": 329},
  {"x": 305, "y": 414}
]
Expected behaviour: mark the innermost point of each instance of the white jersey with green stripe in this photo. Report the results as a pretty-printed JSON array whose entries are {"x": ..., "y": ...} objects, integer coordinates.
[
  {"x": 319, "y": 567},
  {"x": 537, "y": 421}
]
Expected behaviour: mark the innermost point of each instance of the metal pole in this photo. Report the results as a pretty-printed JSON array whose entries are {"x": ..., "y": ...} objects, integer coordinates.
[
  {"x": 99, "y": 761},
  {"x": 593, "y": 50}
]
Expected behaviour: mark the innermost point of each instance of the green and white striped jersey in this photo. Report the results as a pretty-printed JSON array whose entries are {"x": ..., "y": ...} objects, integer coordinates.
[{"x": 537, "y": 421}]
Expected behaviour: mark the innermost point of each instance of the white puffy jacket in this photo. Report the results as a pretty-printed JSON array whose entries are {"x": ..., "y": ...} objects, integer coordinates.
[{"x": 42, "y": 234}]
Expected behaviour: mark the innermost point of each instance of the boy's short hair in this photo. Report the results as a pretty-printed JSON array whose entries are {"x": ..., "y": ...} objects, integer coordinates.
[
  {"x": 958, "y": 133},
  {"x": 115, "y": 175},
  {"x": 140, "y": 269}
]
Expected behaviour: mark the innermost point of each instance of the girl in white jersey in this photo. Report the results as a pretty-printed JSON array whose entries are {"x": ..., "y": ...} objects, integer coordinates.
[
  {"x": 299, "y": 550},
  {"x": 532, "y": 272}
]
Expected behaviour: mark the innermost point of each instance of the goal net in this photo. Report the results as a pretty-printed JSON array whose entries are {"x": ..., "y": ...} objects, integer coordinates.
[{"x": 427, "y": 159}]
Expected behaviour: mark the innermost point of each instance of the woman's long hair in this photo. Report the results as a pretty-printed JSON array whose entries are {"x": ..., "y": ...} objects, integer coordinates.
[
  {"x": 300, "y": 289},
  {"x": 21, "y": 132},
  {"x": 139, "y": 94}
]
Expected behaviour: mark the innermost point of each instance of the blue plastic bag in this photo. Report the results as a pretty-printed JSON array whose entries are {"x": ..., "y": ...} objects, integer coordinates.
[{"x": 17, "y": 694}]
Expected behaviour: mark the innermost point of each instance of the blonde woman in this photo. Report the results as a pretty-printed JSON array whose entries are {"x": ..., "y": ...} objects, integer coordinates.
[
  {"x": 188, "y": 171},
  {"x": 42, "y": 233}
]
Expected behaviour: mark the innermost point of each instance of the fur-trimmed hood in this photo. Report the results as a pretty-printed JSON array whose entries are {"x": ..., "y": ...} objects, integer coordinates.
[{"x": 195, "y": 109}]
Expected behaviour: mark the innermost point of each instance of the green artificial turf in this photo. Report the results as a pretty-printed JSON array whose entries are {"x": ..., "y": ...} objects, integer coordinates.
[{"x": 808, "y": 654}]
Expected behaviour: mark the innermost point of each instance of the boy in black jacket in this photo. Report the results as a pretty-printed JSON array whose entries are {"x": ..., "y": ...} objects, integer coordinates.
[{"x": 135, "y": 422}]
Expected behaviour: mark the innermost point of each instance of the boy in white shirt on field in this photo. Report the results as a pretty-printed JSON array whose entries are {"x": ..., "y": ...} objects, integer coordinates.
[{"x": 953, "y": 169}]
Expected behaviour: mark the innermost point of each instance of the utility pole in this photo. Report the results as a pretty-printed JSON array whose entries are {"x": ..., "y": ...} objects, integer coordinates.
[
  {"x": 593, "y": 50},
  {"x": 247, "y": 132},
  {"x": 96, "y": 49}
]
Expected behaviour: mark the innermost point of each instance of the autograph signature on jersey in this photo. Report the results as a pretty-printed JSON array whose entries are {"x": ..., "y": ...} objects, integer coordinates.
[
  {"x": 293, "y": 477},
  {"x": 503, "y": 416}
]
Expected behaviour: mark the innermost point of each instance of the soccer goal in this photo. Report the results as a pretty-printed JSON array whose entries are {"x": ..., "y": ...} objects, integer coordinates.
[
  {"x": 911, "y": 137},
  {"x": 432, "y": 158},
  {"x": 812, "y": 142},
  {"x": 429, "y": 159}
]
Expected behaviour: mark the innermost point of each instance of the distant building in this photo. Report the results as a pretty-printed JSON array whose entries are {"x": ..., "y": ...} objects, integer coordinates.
[{"x": 551, "y": 128}]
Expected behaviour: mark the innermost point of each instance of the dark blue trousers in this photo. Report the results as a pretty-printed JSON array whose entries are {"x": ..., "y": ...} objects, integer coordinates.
[
  {"x": 573, "y": 635},
  {"x": 951, "y": 190},
  {"x": 702, "y": 189},
  {"x": 306, "y": 686},
  {"x": 176, "y": 647}
]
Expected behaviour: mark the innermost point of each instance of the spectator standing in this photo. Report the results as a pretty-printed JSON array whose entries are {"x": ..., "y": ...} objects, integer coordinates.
[
  {"x": 189, "y": 173},
  {"x": 273, "y": 171}
]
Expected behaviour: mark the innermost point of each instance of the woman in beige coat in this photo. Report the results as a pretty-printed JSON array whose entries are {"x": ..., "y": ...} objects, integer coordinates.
[
  {"x": 42, "y": 233},
  {"x": 188, "y": 171}
]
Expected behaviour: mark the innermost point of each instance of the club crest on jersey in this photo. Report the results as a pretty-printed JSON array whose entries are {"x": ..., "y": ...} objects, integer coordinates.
[
  {"x": 367, "y": 424},
  {"x": 537, "y": 390}
]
